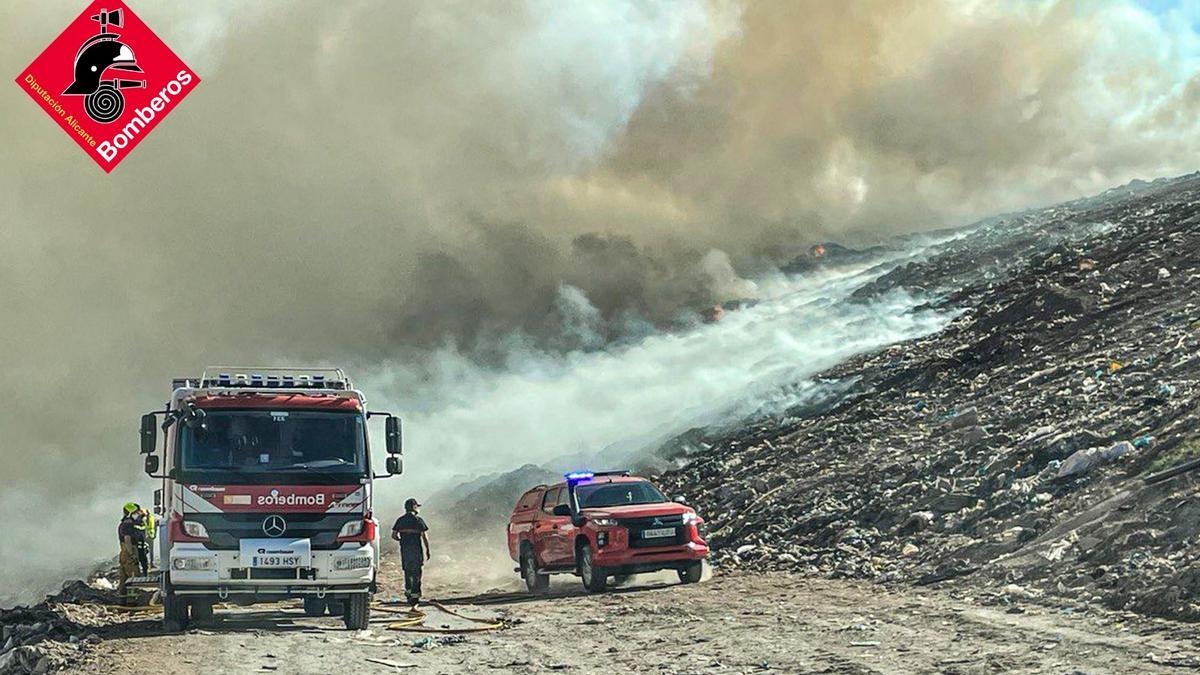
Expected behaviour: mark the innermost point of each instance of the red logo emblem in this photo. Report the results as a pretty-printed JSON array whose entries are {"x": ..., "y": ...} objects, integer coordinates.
[{"x": 108, "y": 81}]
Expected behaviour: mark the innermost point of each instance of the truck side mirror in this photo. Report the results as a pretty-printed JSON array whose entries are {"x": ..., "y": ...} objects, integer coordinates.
[
  {"x": 395, "y": 444},
  {"x": 562, "y": 510},
  {"x": 149, "y": 433},
  {"x": 395, "y": 465},
  {"x": 151, "y": 464}
]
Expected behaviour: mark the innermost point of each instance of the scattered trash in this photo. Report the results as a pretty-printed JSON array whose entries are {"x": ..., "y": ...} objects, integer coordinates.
[
  {"x": 966, "y": 418},
  {"x": 425, "y": 643},
  {"x": 389, "y": 663},
  {"x": 1084, "y": 461},
  {"x": 1066, "y": 356}
]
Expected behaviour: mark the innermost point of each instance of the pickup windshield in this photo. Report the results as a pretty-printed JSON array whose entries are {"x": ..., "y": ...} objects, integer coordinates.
[
  {"x": 257, "y": 446},
  {"x": 596, "y": 495}
]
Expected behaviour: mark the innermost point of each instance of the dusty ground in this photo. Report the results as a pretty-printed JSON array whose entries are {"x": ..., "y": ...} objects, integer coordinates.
[{"x": 731, "y": 623}]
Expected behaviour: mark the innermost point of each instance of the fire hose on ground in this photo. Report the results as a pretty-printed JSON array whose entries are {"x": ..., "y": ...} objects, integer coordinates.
[
  {"x": 413, "y": 623},
  {"x": 416, "y": 619}
]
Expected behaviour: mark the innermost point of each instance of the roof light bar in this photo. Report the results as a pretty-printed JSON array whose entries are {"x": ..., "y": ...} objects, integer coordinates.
[{"x": 271, "y": 378}]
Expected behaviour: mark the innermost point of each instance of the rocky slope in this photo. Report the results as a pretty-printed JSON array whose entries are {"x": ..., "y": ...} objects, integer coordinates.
[{"x": 1008, "y": 450}]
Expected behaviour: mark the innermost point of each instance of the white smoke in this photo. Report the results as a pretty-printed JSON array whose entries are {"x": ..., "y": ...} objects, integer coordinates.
[{"x": 465, "y": 421}]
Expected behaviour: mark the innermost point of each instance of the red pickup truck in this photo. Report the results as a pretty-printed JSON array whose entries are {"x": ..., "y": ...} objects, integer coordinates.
[{"x": 603, "y": 524}]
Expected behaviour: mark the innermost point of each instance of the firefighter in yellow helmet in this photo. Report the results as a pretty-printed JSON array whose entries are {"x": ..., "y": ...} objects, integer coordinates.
[
  {"x": 131, "y": 537},
  {"x": 146, "y": 550}
]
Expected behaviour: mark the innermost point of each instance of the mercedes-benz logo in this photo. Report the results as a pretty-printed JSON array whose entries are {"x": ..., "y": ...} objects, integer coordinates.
[{"x": 274, "y": 526}]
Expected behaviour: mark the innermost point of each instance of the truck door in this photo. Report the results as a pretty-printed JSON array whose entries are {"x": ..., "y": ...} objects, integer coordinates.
[{"x": 548, "y": 529}]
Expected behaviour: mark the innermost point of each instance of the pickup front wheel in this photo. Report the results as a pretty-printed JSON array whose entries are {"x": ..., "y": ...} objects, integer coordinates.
[
  {"x": 595, "y": 579},
  {"x": 692, "y": 573}
]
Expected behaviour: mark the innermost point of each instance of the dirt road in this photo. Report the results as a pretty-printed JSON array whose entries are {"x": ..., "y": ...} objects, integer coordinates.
[{"x": 735, "y": 623}]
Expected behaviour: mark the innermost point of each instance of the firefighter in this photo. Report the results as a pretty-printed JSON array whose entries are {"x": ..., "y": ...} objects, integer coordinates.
[
  {"x": 410, "y": 530},
  {"x": 146, "y": 551},
  {"x": 130, "y": 536}
]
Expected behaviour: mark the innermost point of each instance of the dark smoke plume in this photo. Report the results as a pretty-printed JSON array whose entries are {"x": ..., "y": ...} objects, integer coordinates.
[{"x": 373, "y": 182}]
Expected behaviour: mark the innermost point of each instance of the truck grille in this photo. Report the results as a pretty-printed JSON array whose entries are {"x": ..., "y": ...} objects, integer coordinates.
[
  {"x": 225, "y": 530},
  {"x": 637, "y": 526},
  {"x": 274, "y": 574}
]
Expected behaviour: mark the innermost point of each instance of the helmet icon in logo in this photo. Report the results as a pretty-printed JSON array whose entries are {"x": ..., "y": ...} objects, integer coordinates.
[
  {"x": 95, "y": 64},
  {"x": 274, "y": 526}
]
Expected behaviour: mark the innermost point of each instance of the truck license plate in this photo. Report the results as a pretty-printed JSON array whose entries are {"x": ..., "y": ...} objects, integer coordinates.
[
  {"x": 658, "y": 533},
  {"x": 276, "y": 553},
  {"x": 275, "y": 561}
]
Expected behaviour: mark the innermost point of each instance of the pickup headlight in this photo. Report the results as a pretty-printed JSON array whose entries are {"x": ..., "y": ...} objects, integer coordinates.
[
  {"x": 604, "y": 522},
  {"x": 690, "y": 518},
  {"x": 351, "y": 529},
  {"x": 193, "y": 529}
]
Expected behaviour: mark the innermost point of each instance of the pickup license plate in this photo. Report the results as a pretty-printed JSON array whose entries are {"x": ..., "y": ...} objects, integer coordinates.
[
  {"x": 658, "y": 533},
  {"x": 276, "y": 561}
]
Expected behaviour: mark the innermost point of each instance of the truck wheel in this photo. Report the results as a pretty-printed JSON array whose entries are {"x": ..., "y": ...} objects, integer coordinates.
[
  {"x": 358, "y": 611},
  {"x": 314, "y": 606},
  {"x": 202, "y": 610},
  {"x": 535, "y": 582},
  {"x": 691, "y": 574},
  {"x": 594, "y": 578},
  {"x": 175, "y": 613}
]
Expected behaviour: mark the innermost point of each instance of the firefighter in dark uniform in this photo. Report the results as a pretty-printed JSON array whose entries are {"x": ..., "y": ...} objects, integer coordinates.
[
  {"x": 410, "y": 531},
  {"x": 131, "y": 538}
]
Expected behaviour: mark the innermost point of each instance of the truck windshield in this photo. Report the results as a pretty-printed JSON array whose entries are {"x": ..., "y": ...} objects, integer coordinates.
[
  {"x": 596, "y": 495},
  {"x": 254, "y": 446}
]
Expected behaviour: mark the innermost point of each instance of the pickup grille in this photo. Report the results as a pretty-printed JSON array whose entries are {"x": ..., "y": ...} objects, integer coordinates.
[
  {"x": 637, "y": 526},
  {"x": 225, "y": 530}
]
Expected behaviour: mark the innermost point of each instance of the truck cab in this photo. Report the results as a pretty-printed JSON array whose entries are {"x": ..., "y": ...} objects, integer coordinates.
[
  {"x": 267, "y": 488},
  {"x": 602, "y": 524}
]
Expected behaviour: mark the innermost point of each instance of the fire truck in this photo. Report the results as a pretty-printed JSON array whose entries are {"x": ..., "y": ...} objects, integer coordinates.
[{"x": 266, "y": 492}]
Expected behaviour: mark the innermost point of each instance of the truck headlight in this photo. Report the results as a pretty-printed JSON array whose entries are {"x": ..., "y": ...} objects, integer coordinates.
[
  {"x": 192, "y": 563},
  {"x": 690, "y": 518},
  {"x": 352, "y": 529},
  {"x": 604, "y": 522},
  {"x": 193, "y": 529},
  {"x": 352, "y": 563}
]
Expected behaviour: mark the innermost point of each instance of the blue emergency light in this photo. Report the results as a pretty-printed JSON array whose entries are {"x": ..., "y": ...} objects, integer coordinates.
[{"x": 575, "y": 476}]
